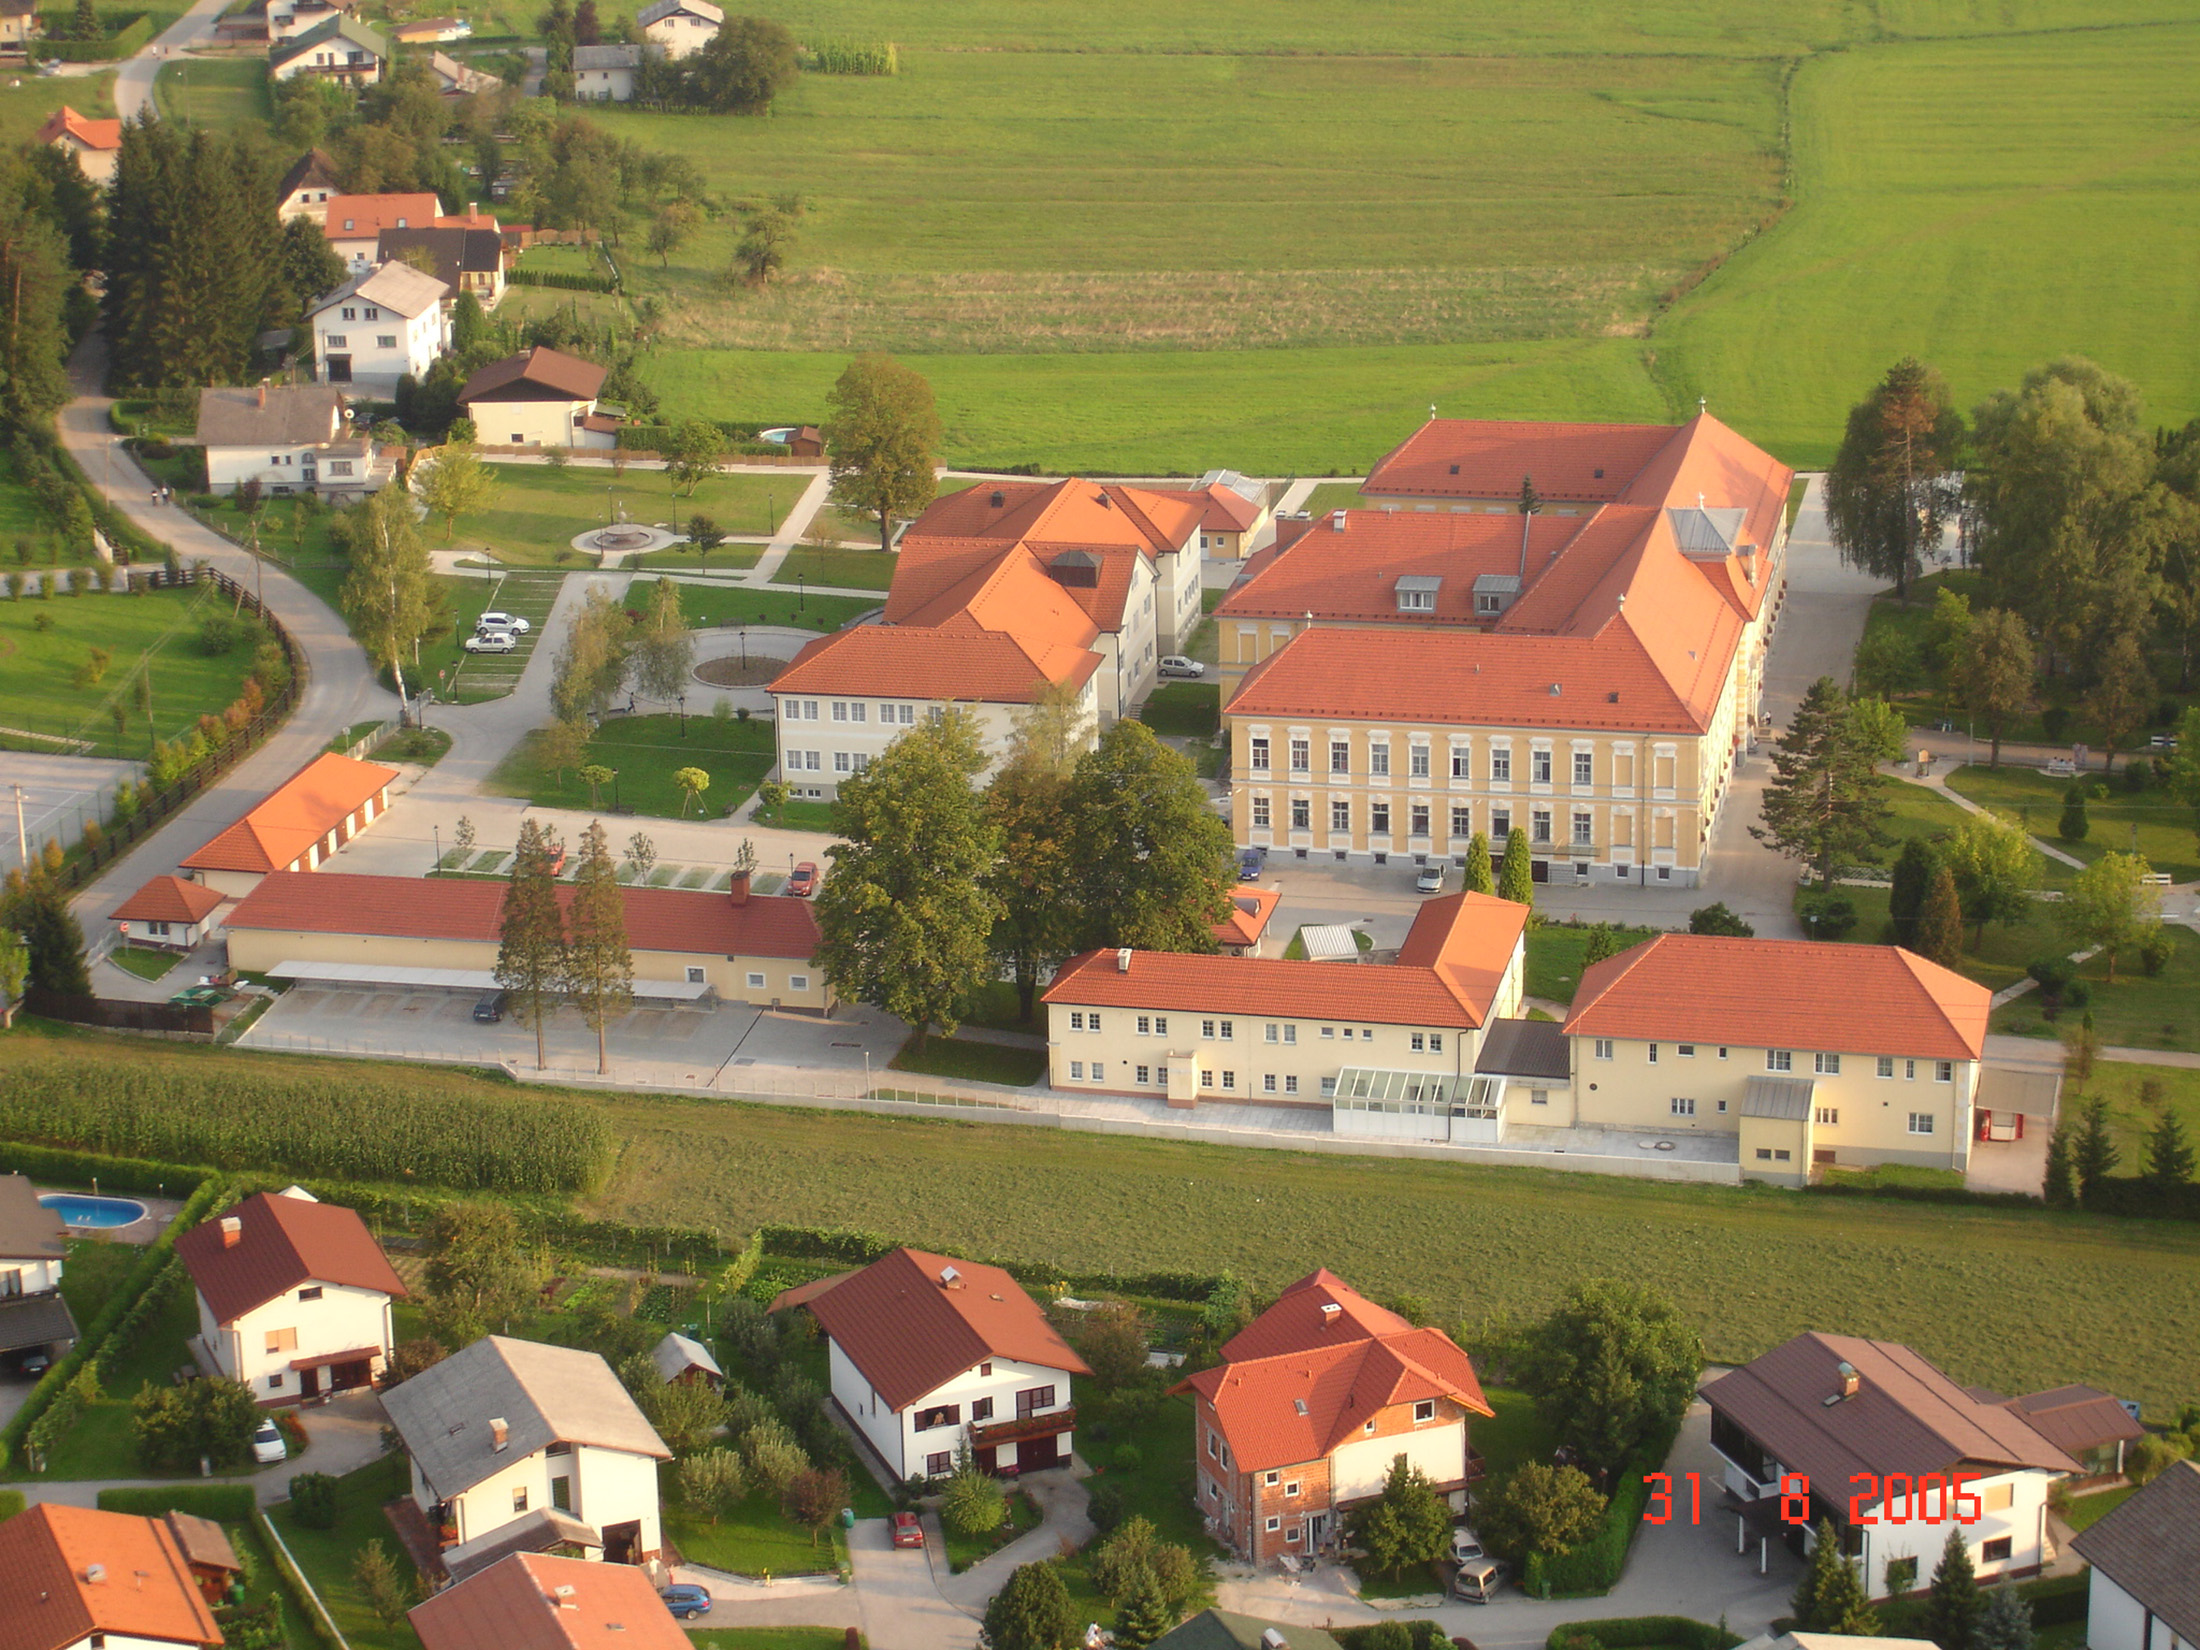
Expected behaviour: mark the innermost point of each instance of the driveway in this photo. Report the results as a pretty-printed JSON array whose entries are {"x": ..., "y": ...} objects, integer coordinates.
[{"x": 899, "y": 1601}]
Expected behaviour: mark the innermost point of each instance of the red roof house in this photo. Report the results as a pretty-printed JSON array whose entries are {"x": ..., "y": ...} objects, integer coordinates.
[
  {"x": 168, "y": 911},
  {"x": 70, "y": 1576},
  {"x": 1313, "y": 1402},
  {"x": 305, "y": 820},
  {"x": 534, "y": 1601}
]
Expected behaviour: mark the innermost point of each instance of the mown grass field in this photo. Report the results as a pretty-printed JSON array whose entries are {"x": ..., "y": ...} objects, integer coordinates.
[
  {"x": 537, "y": 509},
  {"x": 2152, "y": 822},
  {"x": 646, "y": 751},
  {"x": 26, "y": 100},
  {"x": 217, "y": 93},
  {"x": 39, "y": 691}
]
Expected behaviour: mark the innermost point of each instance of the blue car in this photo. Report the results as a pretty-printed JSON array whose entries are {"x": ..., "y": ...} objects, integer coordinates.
[
  {"x": 686, "y": 1601},
  {"x": 1249, "y": 863}
]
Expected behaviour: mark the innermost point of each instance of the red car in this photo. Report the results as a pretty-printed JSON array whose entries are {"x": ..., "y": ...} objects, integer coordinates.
[
  {"x": 803, "y": 883},
  {"x": 907, "y": 1531}
]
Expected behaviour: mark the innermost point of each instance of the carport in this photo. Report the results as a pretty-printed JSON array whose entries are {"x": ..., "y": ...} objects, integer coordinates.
[
  {"x": 36, "y": 1323},
  {"x": 382, "y": 975}
]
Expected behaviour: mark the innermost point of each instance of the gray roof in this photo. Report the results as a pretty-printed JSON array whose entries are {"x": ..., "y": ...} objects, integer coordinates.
[
  {"x": 348, "y": 29},
  {"x": 283, "y": 415},
  {"x": 1525, "y": 1048},
  {"x": 1785, "y": 1099},
  {"x": 28, "y": 1229},
  {"x": 2150, "y": 1547},
  {"x": 1420, "y": 581},
  {"x": 676, "y": 1352},
  {"x": 35, "y": 1320},
  {"x": 606, "y": 57},
  {"x": 659, "y": 10},
  {"x": 533, "y": 1532},
  {"x": 544, "y": 1394},
  {"x": 1226, "y": 1630},
  {"x": 1707, "y": 532},
  {"x": 393, "y": 285},
  {"x": 1500, "y": 584}
]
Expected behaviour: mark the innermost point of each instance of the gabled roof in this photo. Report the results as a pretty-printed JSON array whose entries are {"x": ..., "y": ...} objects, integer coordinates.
[
  {"x": 315, "y": 169},
  {"x": 607, "y": 57},
  {"x": 543, "y": 1394},
  {"x": 1448, "y": 973},
  {"x": 1486, "y": 458},
  {"x": 532, "y": 1601},
  {"x": 534, "y": 375},
  {"x": 2076, "y": 1418},
  {"x": 281, "y": 415},
  {"x": 455, "y": 252},
  {"x": 1905, "y": 1417},
  {"x": 287, "y": 1239},
  {"x": 657, "y": 919},
  {"x": 394, "y": 286},
  {"x": 297, "y": 814},
  {"x": 658, "y": 10},
  {"x": 1225, "y": 509},
  {"x": 677, "y": 1353},
  {"x": 2150, "y": 1548},
  {"x": 1304, "y": 1376},
  {"x": 1352, "y": 574},
  {"x": 908, "y": 1329},
  {"x": 145, "y": 1589},
  {"x": 460, "y": 79},
  {"x": 1250, "y": 908},
  {"x": 168, "y": 899},
  {"x": 960, "y": 660},
  {"x": 346, "y": 28},
  {"x": 1063, "y": 514},
  {"x": 28, "y": 1229},
  {"x": 1226, "y": 1630},
  {"x": 1843, "y": 999},
  {"x": 93, "y": 134},
  {"x": 360, "y": 217}
]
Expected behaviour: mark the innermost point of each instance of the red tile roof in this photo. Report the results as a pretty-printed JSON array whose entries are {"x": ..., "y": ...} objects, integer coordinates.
[
  {"x": 93, "y": 134},
  {"x": 534, "y": 375},
  {"x": 285, "y": 1241},
  {"x": 1448, "y": 973},
  {"x": 657, "y": 919},
  {"x": 1493, "y": 455},
  {"x": 908, "y": 1332},
  {"x": 145, "y": 1590},
  {"x": 168, "y": 899},
  {"x": 960, "y": 660},
  {"x": 1906, "y": 1416},
  {"x": 305, "y": 808},
  {"x": 532, "y": 1601},
  {"x": 1250, "y": 908},
  {"x": 1854, "y": 999},
  {"x": 364, "y": 217},
  {"x": 1063, "y": 513},
  {"x": 1300, "y": 1380},
  {"x": 1226, "y": 510},
  {"x": 1353, "y": 574}
]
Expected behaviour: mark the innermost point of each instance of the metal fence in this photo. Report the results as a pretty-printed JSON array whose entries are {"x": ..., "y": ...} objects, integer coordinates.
[{"x": 119, "y": 1014}]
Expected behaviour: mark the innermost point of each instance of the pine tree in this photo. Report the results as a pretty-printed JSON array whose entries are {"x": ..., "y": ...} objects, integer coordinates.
[
  {"x": 1515, "y": 875},
  {"x": 2093, "y": 1153},
  {"x": 1478, "y": 877},
  {"x": 531, "y": 946},
  {"x": 1953, "y": 1605},
  {"x": 2169, "y": 1153},
  {"x": 1940, "y": 922},
  {"x": 2006, "y": 1622},
  {"x": 1144, "y": 1617},
  {"x": 1824, "y": 804},
  {"x": 599, "y": 969},
  {"x": 1912, "y": 879},
  {"x": 1890, "y": 488},
  {"x": 2060, "y": 1187},
  {"x": 85, "y": 24},
  {"x": 1830, "y": 1598},
  {"x": 54, "y": 938}
]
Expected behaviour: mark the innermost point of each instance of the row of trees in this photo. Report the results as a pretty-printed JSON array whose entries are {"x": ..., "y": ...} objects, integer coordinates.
[
  {"x": 1958, "y": 1613},
  {"x": 2082, "y": 1154},
  {"x": 553, "y": 950}
]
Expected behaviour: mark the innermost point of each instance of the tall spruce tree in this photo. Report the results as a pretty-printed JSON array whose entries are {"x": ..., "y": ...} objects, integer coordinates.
[
  {"x": 531, "y": 942},
  {"x": 1952, "y": 1607},
  {"x": 1831, "y": 1598},
  {"x": 599, "y": 969},
  {"x": 37, "y": 275},
  {"x": 1824, "y": 804},
  {"x": 2169, "y": 1153},
  {"x": 2093, "y": 1153},
  {"x": 1940, "y": 921},
  {"x": 1892, "y": 488},
  {"x": 2059, "y": 1186},
  {"x": 2006, "y": 1622},
  {"x": 1912, "y": 879}
]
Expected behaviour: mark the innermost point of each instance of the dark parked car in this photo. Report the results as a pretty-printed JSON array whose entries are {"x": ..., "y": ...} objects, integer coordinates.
[
  {"x": 1249, "y": 864},
  {"x": 686, "y": 1601},
  {"x": 491, "y": 1008}
]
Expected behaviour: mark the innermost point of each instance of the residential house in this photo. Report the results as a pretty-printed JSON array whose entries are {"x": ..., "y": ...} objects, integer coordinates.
[
  {"x": 1234, "y": 511},
  {"x": 520, "y": 1447},
  {"x": 96, "y": 144},
  {"x": 298, "y": 827},
  {"x": 930, "y": 1356},
  {"x": 35, "y": 1321},
  {"x": 680, "y": 26},
  {"x": 433, "y": 31},
  {"x": 381, "y": 326},
  {"x": 1313, "y": 1402},
  {"x": 1385, "y": 1048},
  {"x": 2145, "y": 1591},
  {"x": 354, "y": 223},
  {"x": 1240, "y": 933},
  {"x": 168, "y": 914},
  {"x": 1809, "y": 1056},
  {"x": 20, "y": 24},
  {"x": 308, "y": 187},
  {"x": 605, "y": 74},
  {"x": 1002, "y": 596},
  {"x": 340, "y": 48},
  {"x": 294, "y": 1295},
  {"x": 533, "y": 1601},
  {"x": 288, "y": 19},
  {"x": 539, "y": 398},
  {"x": 1227, "y": 1630},
  {"x": 465, "y": 260},
  {"x": 1887, "y": 1449},
  {"x": 688, "y": 945},
  {"x": 72, "y": 1578},
  {"x": 290, "y": 438},
  {"x": 456, "y": 79},
  {"x": 1588, "y": 673},
  {"x": 2090, "y": 1426},
  {"x": 681, "y": 1358}
]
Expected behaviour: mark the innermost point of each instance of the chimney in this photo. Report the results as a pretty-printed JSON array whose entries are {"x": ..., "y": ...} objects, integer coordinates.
[
  {"x": 232, "y": 1231},
  {"x": 949, "y": 1277},
  {"x": 1123, "y": 960},
  {"x": 1331, "y": 1312},
  {"x": 500, "y": 1434},
  {"x": 263, "y": 392},
  {"x": 999, "y": 499},
  {"x": 1849, "y": 1381},
  {"x": 1271, "y": 1638},
  {"x": 95, "y": 1573},
  {"x": 738, "y": 890},
  {"x": 1336, "y": 521}
]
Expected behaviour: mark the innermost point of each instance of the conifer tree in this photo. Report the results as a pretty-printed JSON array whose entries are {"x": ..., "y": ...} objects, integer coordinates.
[
  {"x": 2059, "y": 1188},
  {"x": 2169, "y": 1153},
  {"x": 2093, "y": 1154},
  {"x": 1912, "y": 879},
  {"x": 1478, "y": 878},
  {"x": 1953, "y": 1605},
  {"x": 531, "y": 947},
  {"x": 2006, "y": 1622},
  {"x": 1515, "y": 875},
  {"x": 1831, "y": 1598},
  {"x": 1824, "y": 804},
  {"x": 1940, "y": 922},
  {"x": 1144, "y": 1617},
  {"x": 599, "y": 969}
]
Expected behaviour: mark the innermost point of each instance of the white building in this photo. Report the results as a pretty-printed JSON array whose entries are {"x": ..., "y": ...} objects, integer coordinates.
[
  {"x": 605, "y": 74},
  {"x": 930, "y": 1356},
  {"x": 377, "y": 327},
  {"x": 290, "y": 438},
  {"x": 294, "y": 1295},
  {"x": 520, "y": 1447},
  {"x": 539, "y": 398},
  {"x": 680, "y": 26},
  {"x": 34, "y": 1319},
  {"x": 340, "y": 48},
  {"x": 1864, "y": 1428},
  {"x": 308, "y": 187},
  {"x": 2146, "y": 1567}
]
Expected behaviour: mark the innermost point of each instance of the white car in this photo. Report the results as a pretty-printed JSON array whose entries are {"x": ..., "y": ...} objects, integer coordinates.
[
  {"x": 1177, "y": 665},
  {"x": 503, "y": 621},
  {"x": 492, "y": 641},
  {"x": 1429, "y": 879},
  {"x": 1466, "y": 1546},
  {"x": 268, "y": 1446}
]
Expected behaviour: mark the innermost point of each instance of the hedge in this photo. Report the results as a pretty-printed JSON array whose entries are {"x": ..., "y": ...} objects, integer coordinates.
[
  {"x": 2054, "y": 1600},
  {"x": 1421, "y": 1634},
  {"x": 1633, "y": 1632},
  {"x": 11, "y": 1503},
  {"x": 300, "y": 1124},
  {"x": 2126, "y": 1195},
  {"x": 1593, "y": 1567},
  {"x": 123, "y": 43},
  {"x": 562, "y": 280},
  {"x": 114, "y": 1174},
  {"x": 223, "y": 1503}
]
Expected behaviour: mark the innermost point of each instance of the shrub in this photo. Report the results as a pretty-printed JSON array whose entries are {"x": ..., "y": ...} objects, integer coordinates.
[
  {"x": 313, "y": 1499},
  {"x": 223, "y": 1503},
  {"x": 1635, "y": 1632},
  {"x": 972, "y": 1504},
  {"x": 2155, "y": 951},
  {"x": 177, "y": 1427},
  {"x": 1127, "y": 1458},
  {"x": 1827, "y": 914},
  {"x": 852, "y": 57},
  {"x": 1717, "y": 919},
  {"x": 1108, "y": 1503}
]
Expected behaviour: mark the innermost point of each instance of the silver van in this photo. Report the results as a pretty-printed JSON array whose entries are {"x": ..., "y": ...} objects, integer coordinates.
[{"x": 1477, "y": 1581}]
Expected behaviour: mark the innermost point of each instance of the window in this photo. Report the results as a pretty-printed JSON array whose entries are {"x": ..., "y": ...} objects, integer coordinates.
[
  {"x": 1921, "y": 1122},
  {"x": 1161, "y": 1025},
  {"x": 1417, "y": 819},
  {"x": 981, "y": 1409},
  {"x": 1419, "y": 1041},
  {"x": 275, "y": 1383},
  {"x": 339, "y": 467},
  {"x": 798, "y": 982},
  {"x": 1145, "y": 1025},
  {"x": 1206, "y": 1078},
  {"x": 1417, "y": 762},
  {"x": 1462, "y": 821},
  {"x": 1378, "y": 760},
  {"x": 1274, "y": 1524},
  {"x": 1425, "y": 1410},
  {"x": 1584, "y": 828},
  {"x": 519, "y": 1499},
  {"x": 1501, "y": 767},
  {"x": 1033, "y": 1399},
  {"x": 1268, "y": 1082},
  {"x": 1683, "y": 1106},
  {"x": 1539, "y": 1097},
  {"x": 1653, "y": 1054},
  {"x": 1077, "y": 1071},
  {"x": 1826, "y": 1065},
  {"x": 1272, "y": 1033},
  {"x": 1290, "y": 1085},
  {"x": 1539, "y": 826},
  {"x": 840, "y": 762},
  {"x": 1539, "y": 768},
  {"x": 695, "y": 975},
  {"x": 282, "y": 1340},
  {"x": 940, "y": 1464},
  {"x": 1462, "y": 761},
  {"x": 1077, "y": 1019},
  {"x": 1257, "y": 753},
  {"x": 1291, "y": 1488},
  {"x": 337, "y": 340},
  {"x": 350, "y": 314},
  {"x": 1686, "y": 1051},
  {"x": 561, "y": 1493},
  {"x": 1601, "y": 1048},
  {"x": 1302, "y": 814},
  {"x": 1829, "y": 1116},
  {"x": 940, "y": 1415},
  {"x": 1096, "y": 1071},
  {"x": 312, "y": 1294},
  {"x": 1207, "y": 1030},
  {"x": 1145, "y": 1074},
  {"x": 1340, "y": 756},
  {"x": 1340, "y": 816},
  {"x": 1501, "y": 824},
  {"x": 1214, "y": 1447},
  {"x": 1995, "y": 1551},
  {"x": 1779, "y": 1059},
  {"x": 756, "y": 982},
  {"x": 1272, "y": 1479},
  {"x": 1909, "y": 1071},
  {"x": 1378, "y": 818},
  {"x": 1584, "y": 765},
  {"x": 1229, "y": 1079},
  {"x": 1944, "y": 1071},
  {"x": 1302, "y": 756},
  {"x": 1886, "y": 1065},
  {"x": 1328, "y": 1032}
]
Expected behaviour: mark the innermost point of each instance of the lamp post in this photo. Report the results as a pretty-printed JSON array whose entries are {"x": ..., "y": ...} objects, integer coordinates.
[
  {"x": 683, "y": 716},
  {"x": 438, "y": 865},
  {"x": 614, "y": 790},
  {"x": 801, "y": 591}
]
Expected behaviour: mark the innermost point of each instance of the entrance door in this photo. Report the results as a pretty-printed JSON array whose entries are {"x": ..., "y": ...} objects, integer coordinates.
[
  {"x": 622, "y": 1542},
  {"x": 339, "y": 369},
  {"x": 988, "y": 1460},
  {"x": 1539, "y": 870},
  {"x": 309, "y": 1382},
  {"x": 1038, "y": 1454},
  {"x": 1317, "y": 1531}
]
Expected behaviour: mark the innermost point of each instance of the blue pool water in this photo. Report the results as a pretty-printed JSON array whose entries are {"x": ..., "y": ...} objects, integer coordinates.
[{"x": 75, "y": 1209}]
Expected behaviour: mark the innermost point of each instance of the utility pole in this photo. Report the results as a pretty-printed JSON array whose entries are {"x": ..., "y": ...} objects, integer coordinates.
[{"x": 22, "y": 842}]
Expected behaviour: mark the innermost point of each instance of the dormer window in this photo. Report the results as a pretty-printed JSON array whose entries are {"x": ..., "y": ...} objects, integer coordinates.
[{"x": 1418, "y": 594}]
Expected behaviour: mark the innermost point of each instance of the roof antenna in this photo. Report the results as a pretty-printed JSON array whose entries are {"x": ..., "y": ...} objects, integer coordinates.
[
  {"x": 1701, "y": 406},
  {"x": 1432, "y": 412}
]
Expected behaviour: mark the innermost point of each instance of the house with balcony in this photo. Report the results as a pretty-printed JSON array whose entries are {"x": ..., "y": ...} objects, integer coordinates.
[
  {"x": 932, "y": 1356},
  {"x": 290, "y": 439},
  {"x": 340, "y": 49},
  {"x": 35, "y": 1322},
  {"x": 1887, "y": 1449},
  {"x": 1312, "y": 1403},
  {"x": 520, "y": 1447},
  {"x": 294, "y": 1296},
  {"x": 389, "y": 323}
]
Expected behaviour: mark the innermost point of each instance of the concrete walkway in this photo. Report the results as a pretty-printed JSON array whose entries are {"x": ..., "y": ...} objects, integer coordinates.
[{"x": 1062, "y": 1498}]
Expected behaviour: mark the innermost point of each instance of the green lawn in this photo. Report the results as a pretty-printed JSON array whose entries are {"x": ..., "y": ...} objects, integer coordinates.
[
  {"x": 38, "y": 668},
  {"x": 848, "y": 569},
  {"x": 2156, "y": 824},
  {"x": 1334, "y": 495},
  {"x": 717, "y": 559},
  {"x": 538, "y": 509},
  {"x": 772, "y": 1638},
  {"x": 326, "y": 1555},
  {"x": 752, "y": 1540},
  {"x": 804, "y": 610},
  {"x": 2135, "y": 1012},
  {"x": 146, "y": 965},
  {"x": 1515, "y": 1434},
  {"x": 2088, "y": 1510},
  {"x": 26, "y": 100},
  {"x": 972, "y": 1062},
  {"x": 646, "y": 751},
  {"x": 1192, "y": 709},
  {"x": 1022, "y": 1515},
  {"x": 1557, "y": 953},
  {"x": 2137, "y": 1097},
  {"x": 216, "y": 93},
  {"x": 1159, "y": 1489}
]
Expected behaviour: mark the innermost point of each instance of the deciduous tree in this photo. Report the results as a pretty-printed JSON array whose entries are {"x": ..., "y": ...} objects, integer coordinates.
[
  {"x": 881, "y": 434},
  {"x": 746, "y": 64},
  {"x": 1032, "y": 1612},
  {"x": 599, "y": 969},
  {"x": 1538, "y": 1509},
  {"x": 483, "y": 1269},
  {"x": 1034, "y": 877},
  {"x": 2107, "y": 905},
  {"x": 767, "y": 236},
  {"x": 663, "y": 651},
  {"x": 388, "y": 595},
  {"x": 1824, "y": 804},
  {"x": 691, "y": 453},
  {"x": 1153, "y": 862},
  {"x": 457, "y": 484},
  {"x": 1993, "y": 672},
  {"x": 1892, "y": 489},
  {"x": 531, "y": 941},
  {"x": 693, "y": 782},
  {"x": 712, "y": 1482},
  {"x": 1611, "y": 1367},
  {"x": 815, "y": 1498},
  {"x": 1996, "y": 869},
  {"x": 592, "y": 665},
  {"x": 2122, "y": 696}
]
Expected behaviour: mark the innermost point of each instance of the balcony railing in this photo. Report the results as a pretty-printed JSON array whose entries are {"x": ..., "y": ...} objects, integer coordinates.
[{"x": 1039, "y": 1424}]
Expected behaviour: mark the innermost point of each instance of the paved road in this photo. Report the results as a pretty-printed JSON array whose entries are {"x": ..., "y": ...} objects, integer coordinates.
[{"x": 134, "y": 80}]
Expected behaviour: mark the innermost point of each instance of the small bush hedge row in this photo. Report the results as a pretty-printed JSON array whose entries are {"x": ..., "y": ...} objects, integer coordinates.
[
  {"x": 223, "y": 1503},
  {"x": 1633, "y": 1632}
]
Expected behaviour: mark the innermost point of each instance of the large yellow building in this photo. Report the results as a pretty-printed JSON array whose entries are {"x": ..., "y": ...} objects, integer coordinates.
[{"x": 1397, "y": 680}]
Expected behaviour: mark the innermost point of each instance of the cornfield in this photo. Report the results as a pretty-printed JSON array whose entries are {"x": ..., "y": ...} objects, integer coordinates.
[
  {"x": 853, "y": 57},
  {"x": 308, "y": 1126}
]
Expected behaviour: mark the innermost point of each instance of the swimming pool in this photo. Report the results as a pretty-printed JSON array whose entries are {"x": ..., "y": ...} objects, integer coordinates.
[{"x": 77, "y": 1209}]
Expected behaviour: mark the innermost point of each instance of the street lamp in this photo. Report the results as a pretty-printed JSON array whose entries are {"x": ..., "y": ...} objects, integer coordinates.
[
  {"x": 801, "y": 591},
  {"x": 614, "y": 790},
  {"x": 683, "y": 716},
  {"x": 744, "y": 648},
  {"x": 438, "y": 865}
]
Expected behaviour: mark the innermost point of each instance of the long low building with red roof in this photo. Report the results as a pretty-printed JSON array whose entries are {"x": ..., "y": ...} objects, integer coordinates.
[
  {"x": 298, "y": 827},
  {"x": 1397, "y": 681},
  {"x": 687, "y": 945}
]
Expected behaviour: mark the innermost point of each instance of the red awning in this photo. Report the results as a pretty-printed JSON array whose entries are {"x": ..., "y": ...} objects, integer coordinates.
[{"x": 358, "y": 1355}]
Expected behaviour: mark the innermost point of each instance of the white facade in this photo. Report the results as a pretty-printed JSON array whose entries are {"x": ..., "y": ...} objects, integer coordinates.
[
  {"x": 283, "y": 470},
  {"x": 358, "y": 342},
  {"x": 824, "y": 739},
  {"x": 2117, "y": 1621},
  {"x": 535, "y": 423},
  {"x": 602, "y": 1488},
  {"x": 31, "y": 1275},
  {"x": 1357, "y": 1469},
  {"x": 979, "y": 1397},
  {"x": 313, "y": 1320},
  {"x": 680, "y": 33}
]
